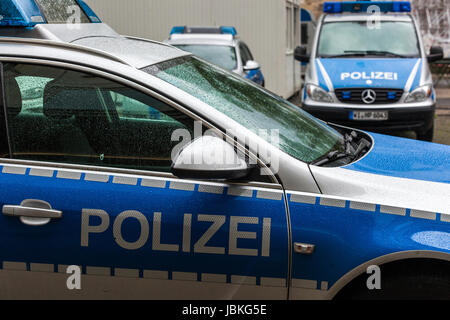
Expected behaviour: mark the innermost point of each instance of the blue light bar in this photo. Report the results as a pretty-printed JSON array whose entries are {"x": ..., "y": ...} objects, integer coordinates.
[
  {"x": 177, "y": 30},
  {"x": 89, "y": 12},
  {"x": 20, "y": 13},
  {"x": 229, "y": 30},
  {"x": 363, "y": 6}
]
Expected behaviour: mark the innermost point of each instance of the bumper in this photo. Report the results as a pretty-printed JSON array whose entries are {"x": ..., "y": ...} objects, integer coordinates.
[{"x": 419, "y": 119}]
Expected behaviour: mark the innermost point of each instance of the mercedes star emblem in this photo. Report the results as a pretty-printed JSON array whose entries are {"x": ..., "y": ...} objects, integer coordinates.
[{"x": 369, "y": 96}]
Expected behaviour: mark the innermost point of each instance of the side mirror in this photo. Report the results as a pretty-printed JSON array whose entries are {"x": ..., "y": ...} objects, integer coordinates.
[
  {"x": 209, "y": 158},
  {"x": 300, "y": 54},
  {"x": 251, "y": 65},
  {"x": 436, "y": 53}
]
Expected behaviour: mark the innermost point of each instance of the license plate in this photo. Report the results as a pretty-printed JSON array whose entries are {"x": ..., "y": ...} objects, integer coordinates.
[{"x": 369, "y": 115}]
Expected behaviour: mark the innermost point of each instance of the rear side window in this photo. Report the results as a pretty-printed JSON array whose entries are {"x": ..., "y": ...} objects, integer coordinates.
[{"x": 60, "y": 115}]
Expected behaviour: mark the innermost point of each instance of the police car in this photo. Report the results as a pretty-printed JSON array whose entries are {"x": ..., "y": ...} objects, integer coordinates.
[
  {"x": 230, "y": 192},
  {"x": 368, "y": 69},
  {"x": 218, "y": 45}
]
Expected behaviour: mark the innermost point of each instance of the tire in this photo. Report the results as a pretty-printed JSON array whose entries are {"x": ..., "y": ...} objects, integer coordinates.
[
  {"x": 413, "y": 279},
  {"x": 427, "y": 136}
]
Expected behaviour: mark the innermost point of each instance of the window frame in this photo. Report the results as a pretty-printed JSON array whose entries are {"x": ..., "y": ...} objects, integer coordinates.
[
  {"x": 4, "y": 117},
  {"x": 143, "y": 88}
]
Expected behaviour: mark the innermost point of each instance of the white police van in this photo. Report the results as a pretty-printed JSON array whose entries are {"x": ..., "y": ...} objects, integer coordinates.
[
  {"x": 229, "y": 193},
  {"x": 368, "y": 69}
]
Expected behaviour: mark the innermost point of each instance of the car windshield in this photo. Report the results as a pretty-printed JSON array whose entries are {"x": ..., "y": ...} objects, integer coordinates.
[
  {"x": 223, "y": 56},
  {"x": 300, "y": 135},
  {"x": 357, "y": 37}
]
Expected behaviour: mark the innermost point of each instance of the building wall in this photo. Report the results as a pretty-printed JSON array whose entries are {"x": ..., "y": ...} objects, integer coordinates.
[{"x": 260, "y": 23}]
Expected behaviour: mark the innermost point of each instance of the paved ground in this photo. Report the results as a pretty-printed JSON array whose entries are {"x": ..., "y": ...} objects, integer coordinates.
[{"x": 442, "y": 124}]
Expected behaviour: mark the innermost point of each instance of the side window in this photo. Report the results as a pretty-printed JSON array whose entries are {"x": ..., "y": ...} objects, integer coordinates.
[
  {"x": 66, "y": 116},
  {"x": 244, "y": 54},
  {"x": 247, "y": 50}
]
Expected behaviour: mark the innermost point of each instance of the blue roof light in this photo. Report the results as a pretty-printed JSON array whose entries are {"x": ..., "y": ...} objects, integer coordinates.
[
  {"x": 89, "y": 12},
  {"x": 363, "y": 6},
  {"x": 229, "y": 30},
  {"x": 177, "y": 30},
  {"x": 20, "y": 13}
]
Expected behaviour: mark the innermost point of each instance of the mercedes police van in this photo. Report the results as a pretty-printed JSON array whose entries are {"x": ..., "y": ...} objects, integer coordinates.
[
  {"x": 230, "y": 192},
  {"x": 368, "y": 69}
]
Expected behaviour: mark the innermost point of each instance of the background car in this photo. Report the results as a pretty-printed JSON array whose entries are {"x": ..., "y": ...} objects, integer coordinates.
[{"x": 218, "y": 45}]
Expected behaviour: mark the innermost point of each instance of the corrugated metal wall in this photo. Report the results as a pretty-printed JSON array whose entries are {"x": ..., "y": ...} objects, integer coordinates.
[{"x": 260, "y": 23}]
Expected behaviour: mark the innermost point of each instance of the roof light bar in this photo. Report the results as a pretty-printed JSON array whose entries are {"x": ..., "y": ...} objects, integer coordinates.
[
  {"x": 177, "y": 30},
  {"x": 204, "y": 30},
  {"x": 20, "y": 13},
  {"x": 228, "y": 30},
  {"x": 89, "y": 12},
  {"x": 363, "y": 6}
]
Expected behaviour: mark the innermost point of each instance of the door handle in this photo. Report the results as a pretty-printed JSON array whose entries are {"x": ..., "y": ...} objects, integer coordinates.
[{"x": 32, "y": 212}]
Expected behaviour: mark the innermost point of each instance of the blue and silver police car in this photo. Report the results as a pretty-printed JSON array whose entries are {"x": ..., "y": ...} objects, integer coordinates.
[
  {"x": 229, "y": 193},
  {"x": 218, "y": 45},
  {"x": 368, "y": 69}
]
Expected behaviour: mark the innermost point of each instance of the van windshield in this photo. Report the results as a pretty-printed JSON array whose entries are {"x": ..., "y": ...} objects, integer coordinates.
[
  {"x": 223, "y": 56},
  {"x": 358, "y": 38}
]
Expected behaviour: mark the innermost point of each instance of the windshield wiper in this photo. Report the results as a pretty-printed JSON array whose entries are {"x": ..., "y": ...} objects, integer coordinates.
[
  {"x": 361, "y": 53},
  {"x": 348, "y": 54},
  {"x": 385, "y": 53},
  {"x": 353, "y": 150}
]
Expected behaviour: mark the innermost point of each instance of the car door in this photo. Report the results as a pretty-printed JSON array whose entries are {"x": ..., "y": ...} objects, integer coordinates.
[{"x": 85, "y": 181}]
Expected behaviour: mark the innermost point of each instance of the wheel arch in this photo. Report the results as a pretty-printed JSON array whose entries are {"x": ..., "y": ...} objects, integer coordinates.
[{"x": 352, "y": 275}]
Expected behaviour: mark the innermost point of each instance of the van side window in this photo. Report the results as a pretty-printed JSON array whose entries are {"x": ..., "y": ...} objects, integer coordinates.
[{"x": 66, "y": 116}]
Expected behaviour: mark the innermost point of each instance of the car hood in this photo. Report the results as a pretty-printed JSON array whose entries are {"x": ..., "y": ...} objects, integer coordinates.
[
  {"x": 368, "y": 72},
  {"x": 397, "y": 172},
  {"x": 406, "y": 158}
]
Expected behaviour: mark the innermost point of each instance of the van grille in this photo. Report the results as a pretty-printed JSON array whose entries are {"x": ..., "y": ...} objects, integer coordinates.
[{"x": 354, "y": 95}]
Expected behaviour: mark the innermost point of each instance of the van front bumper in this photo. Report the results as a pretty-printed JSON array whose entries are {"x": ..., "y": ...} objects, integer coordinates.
[{"x": 418, "y": 119}]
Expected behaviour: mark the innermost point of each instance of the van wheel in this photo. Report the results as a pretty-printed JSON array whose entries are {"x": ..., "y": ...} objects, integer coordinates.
[{"x": 427, "y": 136}]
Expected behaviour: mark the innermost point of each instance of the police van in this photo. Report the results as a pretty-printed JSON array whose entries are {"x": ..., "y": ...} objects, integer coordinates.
[
  {"x": 230, "y": 192},
  {"x": 368, "y": 69}
]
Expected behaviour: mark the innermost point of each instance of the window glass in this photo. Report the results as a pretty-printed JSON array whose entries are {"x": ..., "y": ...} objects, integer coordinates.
[
  {"x": 71, "y": 117},
  {"x": 249, "y": 53},
  {"x": 62, "y": 11},
  {"x": 222, "y": 56},
  {"x": 339, "y": 38},
  {"x": 300, "y": 135},
  {"x": 244, "y": 54}
]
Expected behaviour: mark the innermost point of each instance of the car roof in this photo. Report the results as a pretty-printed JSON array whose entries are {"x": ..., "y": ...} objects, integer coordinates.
[
  {"x": 137, "y": 52},
  {"x": 93, "y": 38},
  {"x": 201, "y": 38}
]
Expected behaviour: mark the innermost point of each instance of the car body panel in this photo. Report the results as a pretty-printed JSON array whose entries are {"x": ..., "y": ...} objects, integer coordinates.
[
  {"x": 422, "y": 161},
  {"x": 125, "y": 234}
]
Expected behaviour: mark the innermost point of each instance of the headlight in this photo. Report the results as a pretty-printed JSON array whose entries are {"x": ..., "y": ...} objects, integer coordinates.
[
  {"x": 420, "y": 94},
  {"x": 316, "y": 93}
]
